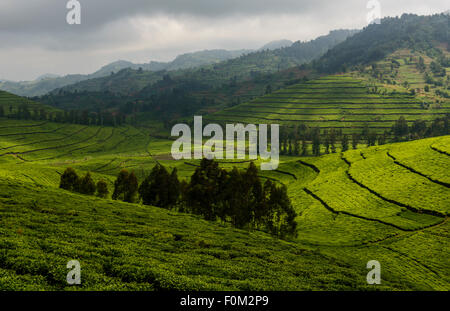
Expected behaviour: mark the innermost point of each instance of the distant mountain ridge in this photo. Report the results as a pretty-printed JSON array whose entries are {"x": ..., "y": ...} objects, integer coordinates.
[
  {"x": 215, "y": 74},
  {"x": 47, "y": 76},
  {"x": 228, "y": 83},
  {"x": 181, "y": 92},
  {"x": 48, "y": 82}
]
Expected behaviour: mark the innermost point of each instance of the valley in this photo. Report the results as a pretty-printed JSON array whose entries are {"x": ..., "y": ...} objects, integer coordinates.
[
  {"x": 88, "y": 171},
  {"x": 388, "y": 210}
]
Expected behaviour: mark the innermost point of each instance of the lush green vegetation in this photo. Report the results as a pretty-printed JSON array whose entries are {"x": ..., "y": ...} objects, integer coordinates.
[
  {"x": 14, "y": 106},
  {"x": 376, "y": 41},
  {"x": 330, "y": 107},
  {"x": 363, "y": 173},
  {"x": 237, "y": 197},
  {"x": 389, "y": 203}
]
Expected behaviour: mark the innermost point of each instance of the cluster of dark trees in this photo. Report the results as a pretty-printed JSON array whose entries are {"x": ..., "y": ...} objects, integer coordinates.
[
  {"x": 419, "y": 129},
  {"x": 437, "y": 69},
  {"x": 25, "y": 112},
  {"x": 238, "y": 197},
  {"x": 126, "y": 187},
  {"x": 169, "y": 97},
  {"x": 86, "y": 185},
  {"x": 241, "y": 198}
]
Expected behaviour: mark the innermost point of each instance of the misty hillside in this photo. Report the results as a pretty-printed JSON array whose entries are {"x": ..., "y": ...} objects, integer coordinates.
[
  {"x": 49, "y": 82},
  {"x": 247, "y": 66},
  {"x": 378, "y": 40}
]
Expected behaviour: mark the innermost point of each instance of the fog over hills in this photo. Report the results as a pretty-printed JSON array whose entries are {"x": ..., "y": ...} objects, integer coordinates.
[{"x": 48, "y": 82}]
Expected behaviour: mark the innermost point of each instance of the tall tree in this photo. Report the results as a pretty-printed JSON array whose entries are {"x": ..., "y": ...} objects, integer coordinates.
[
  {"x": 344, "y": 143},
  {"x": 102, "y": 189},
  {"x": 132, "y": 186},
  {"x": 365, "y": 131},
  {"x": 204, "y": 188},
  {"x": 355, "y": 140},
  {"x": 333, "y": 140},
  {"x": 155, "y": 189},
  {"x": 326, "y": 143},
  {"x": 87, "y": 185},
  {"x": 174, "y": 189},
  {"x": 400, "y": 128},
  {"x": 121, "y": 185},
  {"x": 371, "y": 139},
  {"x": 382, "y": 139},
  {"x": 316, "y": 142},
  {"x": 304, "y": 147},
  {"x": 282, "y": 215},
  {"x": 69, "y": 180}
]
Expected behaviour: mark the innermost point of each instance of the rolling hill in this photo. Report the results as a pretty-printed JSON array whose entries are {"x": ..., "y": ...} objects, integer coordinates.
[
  {"x": 278, "y": 44},
  {"x": 223, "y": 82},
  {"x": 49, "y": 82},
  {"x": 389, "y": 203},
  {"x": 240, "y": 80},
  {"x": 376, "y": 41},
  {"x": 10, "y": 104},
  {"x": 333, "y": 102}
]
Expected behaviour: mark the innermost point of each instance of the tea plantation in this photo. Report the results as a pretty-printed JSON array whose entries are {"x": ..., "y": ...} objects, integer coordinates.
[
  {"x": 388, "y": 203},
  {"x": 343, "y": 101}
]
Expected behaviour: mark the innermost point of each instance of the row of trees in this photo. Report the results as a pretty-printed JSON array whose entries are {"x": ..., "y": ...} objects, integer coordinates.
[
  {"x": 296, "y": 141},
  {"x": 85, "y": 117},
  {"x": 86, "y": 185},
  {"x": 238, "y": 197}
]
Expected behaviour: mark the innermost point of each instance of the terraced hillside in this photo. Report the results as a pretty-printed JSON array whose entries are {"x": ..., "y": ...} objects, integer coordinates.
[
  {"x": 337, "y": 101},
  {"x": 11, "y": 103},
  {"x": 407, "y": 70},
  {"x": 388, "y": 203}
]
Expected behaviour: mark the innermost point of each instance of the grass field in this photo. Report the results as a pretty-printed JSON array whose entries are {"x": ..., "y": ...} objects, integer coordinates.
[{"x": 388, "y": 203}]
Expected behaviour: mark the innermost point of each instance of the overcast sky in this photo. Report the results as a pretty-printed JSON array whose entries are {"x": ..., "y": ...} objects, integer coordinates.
[{"x": 36, "y": 39}]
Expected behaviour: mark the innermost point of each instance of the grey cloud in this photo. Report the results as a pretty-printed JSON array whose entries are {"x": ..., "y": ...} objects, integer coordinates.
[
  {"x": 41, "y": 17},
  {"x": 122, "y": 29},
  {"x": 49, "y": 15}
]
